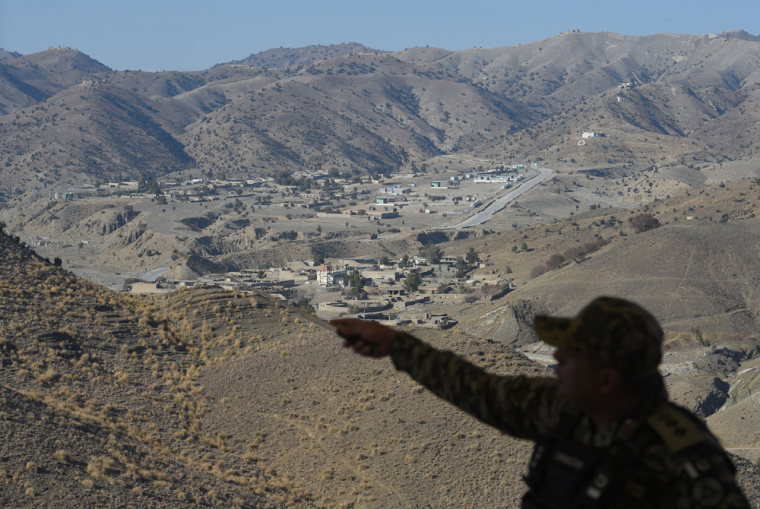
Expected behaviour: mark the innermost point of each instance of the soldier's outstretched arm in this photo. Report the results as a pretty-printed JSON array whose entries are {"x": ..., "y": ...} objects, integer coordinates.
[{"x": 521, "y": 406}]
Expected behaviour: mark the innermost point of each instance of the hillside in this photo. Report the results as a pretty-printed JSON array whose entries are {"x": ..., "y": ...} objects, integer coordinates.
[
  {"x": 8, "y": 55},
  {"x": 349, "y": 107},
  {"x": 691, "y": 271},
  {"x": 114, "y": 382},
  {"x": 30, "y": 79},
  {"x": 80, "y": 365},
  {"x": 561, "y": 71},
  {"x": 208, "y": 397},
  {"x": 293, "y": 57},
  {"x": 388, "y": 113},
  {"x": 88, "y": 133},
  {"x": 662, "y": 124}
]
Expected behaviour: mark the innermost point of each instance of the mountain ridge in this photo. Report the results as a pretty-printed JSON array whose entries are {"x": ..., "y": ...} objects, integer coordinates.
[{"x": 379, "y": 112}]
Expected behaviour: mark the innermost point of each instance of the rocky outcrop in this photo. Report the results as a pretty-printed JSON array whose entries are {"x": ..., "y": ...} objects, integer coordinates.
[{"x": 511, "y": 323}]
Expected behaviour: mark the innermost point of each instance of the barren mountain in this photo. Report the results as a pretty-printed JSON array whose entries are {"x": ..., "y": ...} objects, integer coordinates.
[
  {"x": 349, "y": 107},
  {"x": 360, "y": 112},
  {"x": 29, "y": 79},
  {"x": 91, "y": 132},
  {"x": 8, "y": 55},
  {"x": 293, "y": 57},
  {"x": 659, "y": 123},
  {"x": 563, "y": 70}
]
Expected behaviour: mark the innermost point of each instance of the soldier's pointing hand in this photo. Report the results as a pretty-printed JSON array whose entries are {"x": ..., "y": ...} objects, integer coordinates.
[{"x": 366, "y": 337}]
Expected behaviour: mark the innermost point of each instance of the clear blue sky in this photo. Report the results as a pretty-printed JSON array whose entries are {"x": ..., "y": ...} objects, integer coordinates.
[{"x": 194, "y": 34}]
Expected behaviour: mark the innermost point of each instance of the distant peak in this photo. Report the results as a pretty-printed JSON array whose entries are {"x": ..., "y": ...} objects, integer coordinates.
[
  {"x": 291, "y": 57},
  {"x": 740, "y": 34},
  {"x": 8, "y": 55}
]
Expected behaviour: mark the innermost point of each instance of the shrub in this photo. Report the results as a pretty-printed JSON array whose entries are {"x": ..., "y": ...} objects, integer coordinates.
[
  {"x": 537, "y": 271},
  {"x": 63, "y": 456},
  {"x": 644, "y": 222},
  {"x": 555, "y": 261}
]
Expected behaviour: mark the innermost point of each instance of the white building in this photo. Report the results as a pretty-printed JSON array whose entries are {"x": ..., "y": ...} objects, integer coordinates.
[
  {"x": 326, "y": 276},
  {"x": 592, "y": 135}
]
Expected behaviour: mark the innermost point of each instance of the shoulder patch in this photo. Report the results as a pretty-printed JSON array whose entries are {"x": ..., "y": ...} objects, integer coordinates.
[{"x": 677, "y": 430}]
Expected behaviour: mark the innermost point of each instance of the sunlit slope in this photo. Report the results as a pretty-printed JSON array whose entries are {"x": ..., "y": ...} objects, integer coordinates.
[
  {"x": 697, "y": 270},
  {"x": 687, "y": 274},
  {"x": 99, "y": 403},
  {"x": 352, "y": 430}
]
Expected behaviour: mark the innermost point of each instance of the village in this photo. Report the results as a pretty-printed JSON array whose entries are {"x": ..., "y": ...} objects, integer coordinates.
[
  {"x": 424, "y": 290},
  {"x": 318, "y": 190},
  {"x": 400, "y": 292}
]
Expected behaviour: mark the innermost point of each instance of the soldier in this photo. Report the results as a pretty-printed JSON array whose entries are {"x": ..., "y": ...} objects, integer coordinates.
[{"x": 605, "y": 433}]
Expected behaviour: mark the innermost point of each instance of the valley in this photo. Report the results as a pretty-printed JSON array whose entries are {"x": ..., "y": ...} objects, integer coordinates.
[{"x": 159, "y": 230}]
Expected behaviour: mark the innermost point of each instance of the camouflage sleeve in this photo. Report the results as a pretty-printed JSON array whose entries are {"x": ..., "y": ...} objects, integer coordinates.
[{"x": 520, "y": 406}]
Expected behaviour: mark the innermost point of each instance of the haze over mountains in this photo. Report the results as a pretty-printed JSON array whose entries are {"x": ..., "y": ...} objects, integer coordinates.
[{"x": 69, "y": 119}]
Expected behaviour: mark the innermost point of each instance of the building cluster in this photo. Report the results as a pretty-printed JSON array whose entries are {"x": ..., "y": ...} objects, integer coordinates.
[{"x": 387, "y": 299}]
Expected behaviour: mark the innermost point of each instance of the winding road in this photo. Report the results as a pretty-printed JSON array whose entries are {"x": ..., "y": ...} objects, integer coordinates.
[
  {"x": 501, "y": 202},
  {"x": 154, "y": 274}
]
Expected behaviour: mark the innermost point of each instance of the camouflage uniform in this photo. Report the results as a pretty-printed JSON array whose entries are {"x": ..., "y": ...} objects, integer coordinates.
[{"x": 669, "y": 458}]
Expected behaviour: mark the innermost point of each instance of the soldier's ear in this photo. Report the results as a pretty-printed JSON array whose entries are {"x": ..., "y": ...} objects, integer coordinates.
[{"x": 609, "y": 381}]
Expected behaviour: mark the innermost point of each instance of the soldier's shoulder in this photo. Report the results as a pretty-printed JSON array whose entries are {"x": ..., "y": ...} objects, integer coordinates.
[
  {"x": 678, "y": 429},
  {"x": 683, "y": 454}
]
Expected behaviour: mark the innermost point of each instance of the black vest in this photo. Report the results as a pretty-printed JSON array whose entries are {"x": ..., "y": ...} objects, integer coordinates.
[{"x": 564, "y": 474}]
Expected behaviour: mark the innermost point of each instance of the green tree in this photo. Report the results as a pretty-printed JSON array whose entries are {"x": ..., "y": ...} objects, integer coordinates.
[
  {"x": 304, "y": 304},
  {"x": 432, "y": 253},
  {"x": 150, "y": 185},
  {"x": 442, "y": 288},
  {"x": 384, "y": 260},
  {"x": 319, "y": 259},
  {"x": 412, "y": 283},
  {"x": 514, "y": 249},
  {"x": 696, "y": 333},
  {"x": 356, "y": 285},
  {"x": 471, "y": 256},
  {"x": 404, "y": 260},
  {"x": 461, "y": 264},
  {"x": 524, "y": 246}
]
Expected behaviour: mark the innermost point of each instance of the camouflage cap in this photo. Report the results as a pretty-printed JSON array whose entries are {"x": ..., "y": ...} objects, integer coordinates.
[{"x": 615, "y": 332}]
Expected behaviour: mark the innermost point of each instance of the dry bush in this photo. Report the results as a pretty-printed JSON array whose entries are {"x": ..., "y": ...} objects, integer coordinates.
[
  {"x": 538, "y": 270},
  {"x": 644, "y": 222},
  {"x": 555, "y": 261}
]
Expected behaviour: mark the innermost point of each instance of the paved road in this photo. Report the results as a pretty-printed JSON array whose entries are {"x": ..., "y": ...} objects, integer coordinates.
[
  {"x": 154, "y": 274},
  {"x": 501, "y": 202}
]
